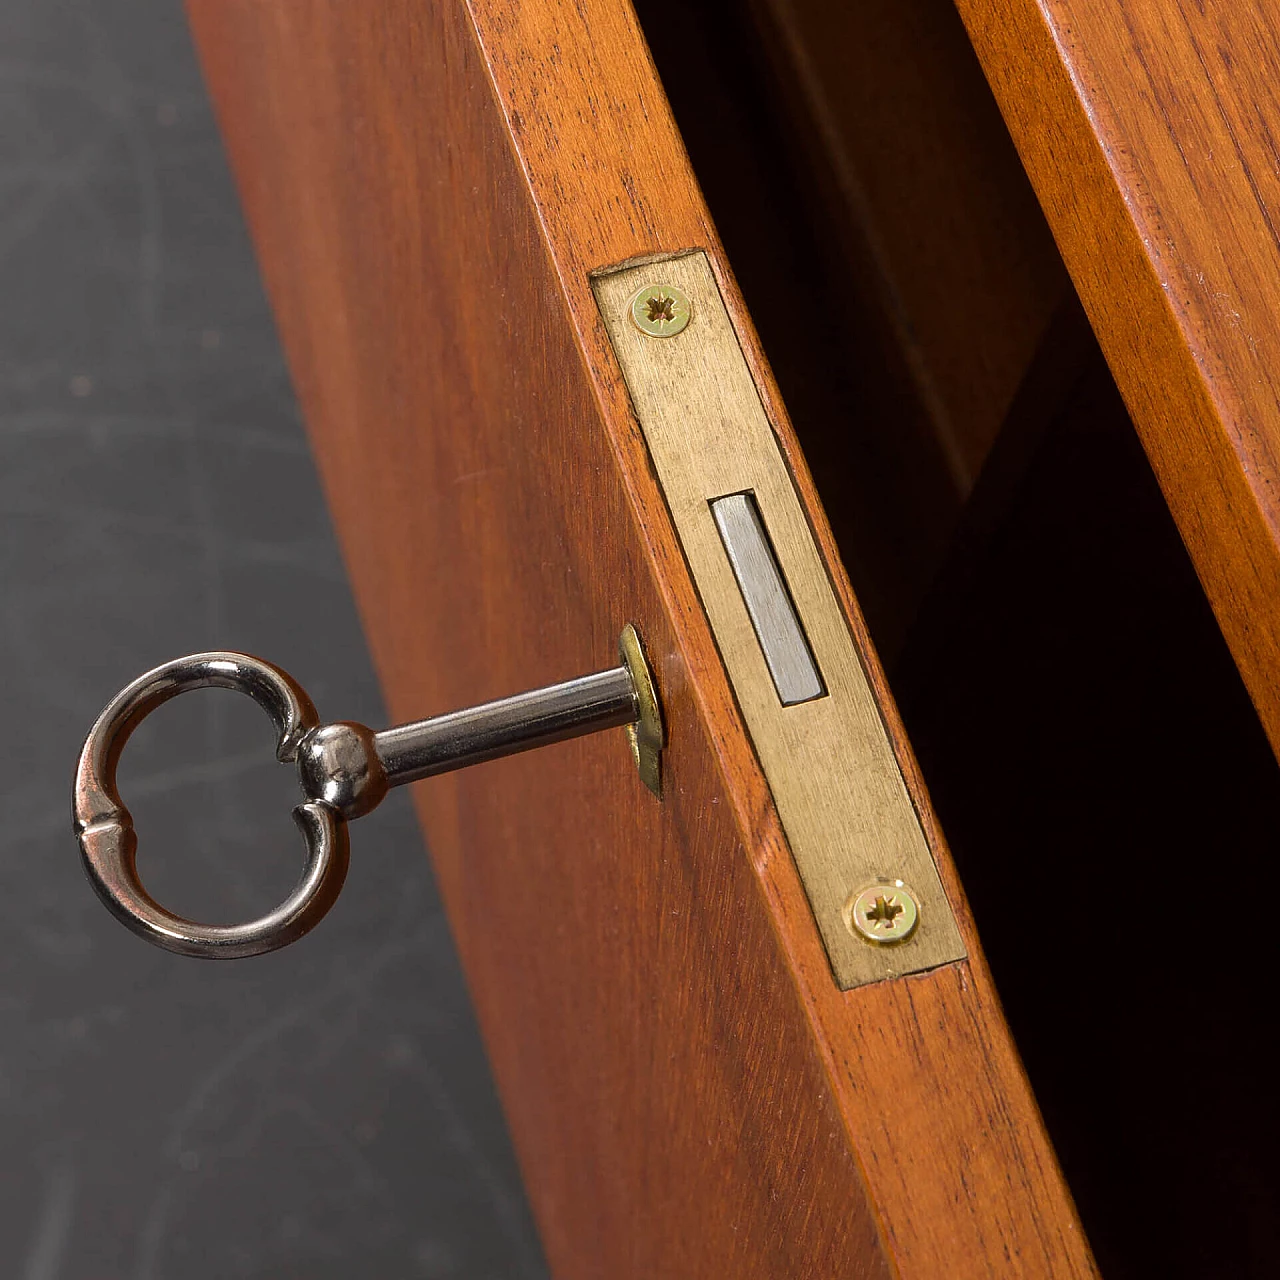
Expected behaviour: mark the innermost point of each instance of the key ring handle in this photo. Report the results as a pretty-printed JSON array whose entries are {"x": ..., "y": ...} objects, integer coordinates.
[{"x": 104, "y": 826}]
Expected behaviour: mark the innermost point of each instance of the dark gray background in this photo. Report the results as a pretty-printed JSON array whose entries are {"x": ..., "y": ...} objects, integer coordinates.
[{"x": 325, "y": 1111}]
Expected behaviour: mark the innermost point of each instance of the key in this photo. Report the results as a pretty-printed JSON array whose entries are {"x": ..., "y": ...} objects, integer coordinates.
[{"x": 345, "y": 770}]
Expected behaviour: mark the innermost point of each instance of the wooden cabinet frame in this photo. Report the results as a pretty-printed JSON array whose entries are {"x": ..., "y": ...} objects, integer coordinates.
[{"x": 430, "y": 186}]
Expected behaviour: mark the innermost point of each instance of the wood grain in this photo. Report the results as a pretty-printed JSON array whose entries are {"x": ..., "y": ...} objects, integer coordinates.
[
  {"x": 1149, "y": 132},
  {"x": 689, "y": 1093}
]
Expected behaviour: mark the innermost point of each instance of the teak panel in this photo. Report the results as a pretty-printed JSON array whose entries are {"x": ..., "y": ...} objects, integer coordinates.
[
  {"x": 689, "y": 1092},
  {"x": 1149, "y": 132}
]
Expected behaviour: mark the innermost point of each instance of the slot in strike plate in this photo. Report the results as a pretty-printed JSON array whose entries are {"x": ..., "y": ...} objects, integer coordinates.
[
  {"x": 764, "y": 592},
  {"x": 828, "y": 760}
]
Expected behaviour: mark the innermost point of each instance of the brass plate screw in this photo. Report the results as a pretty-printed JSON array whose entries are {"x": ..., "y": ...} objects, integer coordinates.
[
  {"x": 660, "y": 310},
  {"x": 883, "y": 913}
]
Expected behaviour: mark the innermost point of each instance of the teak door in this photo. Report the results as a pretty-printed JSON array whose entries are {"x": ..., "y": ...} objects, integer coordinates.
[{"x": 446, "y": 201}]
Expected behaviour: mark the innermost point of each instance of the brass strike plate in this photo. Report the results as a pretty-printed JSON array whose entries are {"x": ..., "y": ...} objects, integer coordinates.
[{"x": 836, "y": 783}]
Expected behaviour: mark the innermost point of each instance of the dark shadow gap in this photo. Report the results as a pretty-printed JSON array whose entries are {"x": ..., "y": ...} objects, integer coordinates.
[{"x": 1097, "y": 765}]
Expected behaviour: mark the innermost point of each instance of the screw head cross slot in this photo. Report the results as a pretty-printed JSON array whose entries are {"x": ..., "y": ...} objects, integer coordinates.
[
  {"x": 661, "y": 310},
  {"x": 885, "y": 912}
]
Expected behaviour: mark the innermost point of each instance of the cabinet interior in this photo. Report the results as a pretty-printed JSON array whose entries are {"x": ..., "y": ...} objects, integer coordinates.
[{"x": 1106, "y": 788}]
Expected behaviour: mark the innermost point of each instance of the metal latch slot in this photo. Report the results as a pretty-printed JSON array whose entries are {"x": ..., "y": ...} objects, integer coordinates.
[
  {"x": 764, "y": 591},
  {"x": 788, "y": 651}
]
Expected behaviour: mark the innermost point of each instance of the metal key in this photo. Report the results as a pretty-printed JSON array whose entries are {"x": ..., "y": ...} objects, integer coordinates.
[{"x": 345, "y": 770}]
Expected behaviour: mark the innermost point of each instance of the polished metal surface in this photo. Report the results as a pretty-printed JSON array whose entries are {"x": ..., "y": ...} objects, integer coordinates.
[
  {"x": 606, "y": 700},
  {"x": 786, "y": 651},
  {"x": 105, "y": 828},
  {"x": 344, "y": 769}
]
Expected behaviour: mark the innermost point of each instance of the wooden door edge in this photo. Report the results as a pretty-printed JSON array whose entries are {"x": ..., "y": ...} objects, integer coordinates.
[
  {"x": 1175, "y": 378},
  {"x": 992, "y": 1142}
]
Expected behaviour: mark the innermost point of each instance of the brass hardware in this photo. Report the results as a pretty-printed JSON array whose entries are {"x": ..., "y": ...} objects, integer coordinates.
[
  {"x": 660, "y": 310},
  {"x": 883, "y": 913},
  {"x": 829, "y": 763},
  {"x": 645, "y": 733}
]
